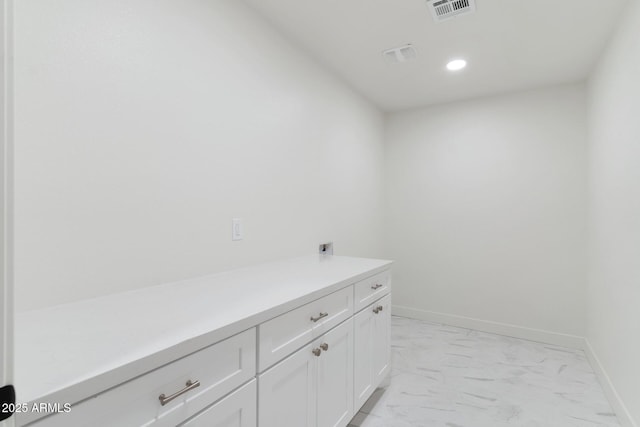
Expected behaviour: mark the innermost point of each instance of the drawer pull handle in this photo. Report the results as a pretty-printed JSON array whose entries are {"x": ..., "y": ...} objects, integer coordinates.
[
  {"x": 321, "y": 316},
  {"x": 316, "y": 352},
  {"x": 378, "y": 309},
  {"x": 376, "y": 286},
  {"x": 190, "y": 386},
  {"x": 324, "y": 346}
]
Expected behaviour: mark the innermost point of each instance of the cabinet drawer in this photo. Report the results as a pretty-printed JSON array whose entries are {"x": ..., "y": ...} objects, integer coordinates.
[
  {"x": 371, "y": 289},
  {"x": 239, "y": 409},
  {"x": 219, "y": 368},
  {"x": 284, "y": 334}
]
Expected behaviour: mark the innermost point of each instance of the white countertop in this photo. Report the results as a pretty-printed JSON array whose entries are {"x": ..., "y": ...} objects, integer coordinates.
[{"x": 70, "y": 352}]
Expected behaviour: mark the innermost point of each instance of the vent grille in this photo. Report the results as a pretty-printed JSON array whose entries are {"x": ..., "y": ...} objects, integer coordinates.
[
  {"x": 460, "y": 4},
  {"x": 400, "y": 54},
  {"x": 442, "y": 10}
]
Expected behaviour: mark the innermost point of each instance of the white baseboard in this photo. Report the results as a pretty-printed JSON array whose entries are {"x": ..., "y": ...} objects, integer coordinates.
[
  {"x": 622, "y": 413},
  {"x": 538, "y": 335}
]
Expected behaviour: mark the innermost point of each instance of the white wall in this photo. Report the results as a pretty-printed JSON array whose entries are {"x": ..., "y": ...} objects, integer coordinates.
[
  {"x": 614, "y": 220},
  {"x": 487, "y": 203},
  {"x": 144, "y": 126}
]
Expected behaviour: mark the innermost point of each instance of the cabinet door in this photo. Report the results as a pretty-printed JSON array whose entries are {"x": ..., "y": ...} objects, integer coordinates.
[
  {"x": 287, "y": 392},
  {"x": 381, "y": 340},
  {"x": 236, "y": 410},
  {"x": 335, "y": 377},
  {"x": 364, "y": 324}
]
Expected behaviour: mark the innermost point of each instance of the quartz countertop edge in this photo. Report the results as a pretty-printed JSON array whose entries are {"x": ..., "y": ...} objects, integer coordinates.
[{"x": 71, "y": 352}]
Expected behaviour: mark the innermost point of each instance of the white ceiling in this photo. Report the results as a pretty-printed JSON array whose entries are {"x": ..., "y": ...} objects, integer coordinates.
[{"x": 509, "y": 44}]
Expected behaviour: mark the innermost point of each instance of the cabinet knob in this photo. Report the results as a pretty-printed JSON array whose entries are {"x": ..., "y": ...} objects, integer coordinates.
[
  {"x": 324, "y": 346},
  {"x": 375, "y": 310},
  {"x": 376, "y": 286},
  {"x": 316, "y": 352},
  {"x": 380, "y": 308}
]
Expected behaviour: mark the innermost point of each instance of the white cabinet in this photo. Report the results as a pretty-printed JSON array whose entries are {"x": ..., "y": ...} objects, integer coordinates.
[
  {"x": 313, "y": 387},
  {"x": 371, "y": 349},
  {"x": 236, "y": 410},
  {"x": 295, "y": 356}
]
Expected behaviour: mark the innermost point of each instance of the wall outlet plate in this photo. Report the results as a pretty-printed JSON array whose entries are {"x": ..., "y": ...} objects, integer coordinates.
[
  {"x": 237, "y": 229},
  {"x": 326, "y": 248}
]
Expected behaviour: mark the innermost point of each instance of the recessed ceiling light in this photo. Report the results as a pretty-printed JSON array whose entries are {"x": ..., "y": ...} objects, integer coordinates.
[{"x": 456, "y": 64}]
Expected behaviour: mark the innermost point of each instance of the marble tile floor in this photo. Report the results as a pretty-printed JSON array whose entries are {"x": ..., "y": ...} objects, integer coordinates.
[{"x": 443, "y": 376}]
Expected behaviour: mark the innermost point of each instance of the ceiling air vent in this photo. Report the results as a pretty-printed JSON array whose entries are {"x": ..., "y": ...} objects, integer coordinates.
[
  {"x": 400, "y": 54},
  {"x": 441, "y": 10}
]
